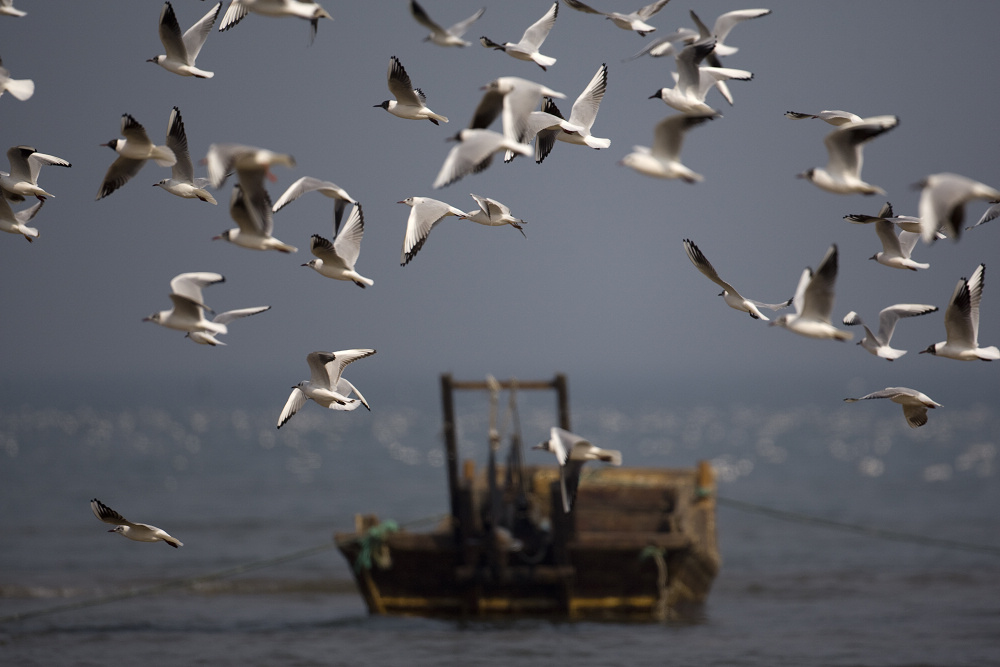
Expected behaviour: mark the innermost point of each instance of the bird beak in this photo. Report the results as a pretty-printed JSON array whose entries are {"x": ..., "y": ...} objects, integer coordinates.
[{"x": 654, "y": 96}]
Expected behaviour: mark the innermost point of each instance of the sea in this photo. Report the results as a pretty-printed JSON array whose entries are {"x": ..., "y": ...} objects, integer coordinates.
[{"x": 847, "y": 537}]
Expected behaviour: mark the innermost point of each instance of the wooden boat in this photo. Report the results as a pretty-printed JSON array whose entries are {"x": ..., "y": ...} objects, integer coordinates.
[{"x": 639, "y": 543}]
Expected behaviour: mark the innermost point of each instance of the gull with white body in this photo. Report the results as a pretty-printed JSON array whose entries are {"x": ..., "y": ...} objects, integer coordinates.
[
  {"x": 425, "y": 214},
  {"x": 632, "y": 21},
  {"x": 813, "y": 302},
  {"x": 254, "y": 222},
  {"x": 16, "y": 222},
  {"x": 21, "y": 89},
  {"x": 182, "y": 182},
  {"x": 664, "y": 159},
  {"x": 878, "y": 343},
  {"x": 182, "y": 49},
  {"x": 139, "y": 532},
  {"x": 303, "y": 9},
  {"x": 188, "y": 311},
  {"x": 451, "y": 36},
  {"x": 693, "y": 81},
  {"x": 571, "y": 452},
  {"x": 492, "y": 213},
  {"x": 133, "y": 152},
  {"x": 336, "y": 260},
  {"x": 326, "y": 188},
  {"x": 531, "y": 41},
  {"x": 732, "y": 298},
  {"x": 942, "y": 203},
  {"x": 844, "y": 146},
  {"x": 209, "y": 337},
  {"x": 581, "y": 118},
  {"x": 410, "y": 102},
  {"x": 251, "y": 206},
  {"x": 961, "y": 323},
  {"x": 915, "y": 403},
  {"x": 326, "y": 385},
  {"x": 473, "y": 153},
  {"x": 7, "y": 8},
  {"x": 25, "y": 164}
]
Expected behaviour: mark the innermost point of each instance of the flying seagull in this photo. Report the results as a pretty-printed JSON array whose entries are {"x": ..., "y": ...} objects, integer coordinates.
[
  {"x": 325, "y": 384},
  {"x": 25, "y": 164},
  {"x": 182, "y": 50},
  {"x": 209, "y": 337},
  {"x": 844, "y": 145},
  {"x": 914, "y": 403},
  {"x": 133, "y": 152},
  {"x": 571, "y": 452},
  {"x": 492, "y": 213},
  {"x": 325, "y": 188},
  {"x": 410, "y": 102},
  {"x": 182, "y": 181},
  {"x": 732, "y": 298},
  {"x": 140, "y": 532},
  {"x": 303, "y": 9},
  {"x": 961, "y": 323},
  {"x": 942, "y": 202},
  {"x": 425, "y": 214},
  {"x": 21, "y": 89},
  {"x": 582, "y": 116},
  {"x": 664, "y": 159},
  {"x": 531, "y": 41},
  {"x": 631, "y": 21},
  {"x": 17, "y": 222},
  {"x": 813, "y": 302},
  {"x": 336, "y": 259},
  {"x": 444, "y": 37},
  {"x": 878, "y": 344},
  {"x": 187, "y": 313}
]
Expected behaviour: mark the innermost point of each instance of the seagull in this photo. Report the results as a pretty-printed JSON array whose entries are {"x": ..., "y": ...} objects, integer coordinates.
[
  {"x": 571, "y": 452},
  {"x": 991, "y": 214},
  {"x": 187, "y": 313},
  {"x": 325, "y": 384},
  {"x": 7, "y": 8},
  {"x": 668, "y": 45},
  {"x": 336, "y": 260},
  {"x": 942, "y": 202},
  {"x": 896, "y": 248},
  {"x": 133, "y": 152},
  {"x": 326, "y": 188},
  {"x": 22, "y": 181},
  {"x": 492, "y": 213},
  {"x": 209, "y": 337},
  {"x": 21, "y": 89},
  {"x": 732, "y": 298},
  {"x": 140, "y": 532},
  {"x": 473, "y": 154},
  {"x": 254, "y": 222},
  {"x": 303, "y": 9},
  {"x": 425, "y": 213},
  {"x": 182, "y": 181},
  {"x": 632, "y": 21},
  {"x": 724, "y": 23},
  {"x": 251, "y": 165},
  {"x": 531, "y": 41},
  {"x": 182, "y": 50},
  {"x": 513, "y": 99},
  {"x": 834, "y": 117},
  {"x": 844, "y": 145},
  {"x": 542, "y": 122},
  {"x": 440, "y": 36},
  {"x": 582, "y": 115},
  {"x": 914, "y": 403},
  {"x": 410, "y": 101},
  {"x": 664, "y": 160},
  {"x": 17, "y": 222},
  {"x": 878, "y": 344},
  {"x": 961, "y": 323},
  {"x": 692, "y": 82},
  {"x": 813, "y": 302}
]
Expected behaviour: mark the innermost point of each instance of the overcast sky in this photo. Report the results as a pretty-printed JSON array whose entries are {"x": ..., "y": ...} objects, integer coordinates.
[{"x": 600, "y": 289}]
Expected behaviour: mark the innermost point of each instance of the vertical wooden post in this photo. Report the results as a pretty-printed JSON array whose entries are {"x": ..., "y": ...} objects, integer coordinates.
[
  {"x": 450, "y": 449},
  {"x": 562, "y": 395}
]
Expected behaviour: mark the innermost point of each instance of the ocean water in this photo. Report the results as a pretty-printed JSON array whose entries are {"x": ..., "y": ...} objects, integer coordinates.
[{"x": 792, "y": 590}]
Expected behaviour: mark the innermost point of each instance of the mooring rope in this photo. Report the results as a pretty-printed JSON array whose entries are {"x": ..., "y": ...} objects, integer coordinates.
[
  {"x": 188, "y": 582},
  {"x": 869, "y": 531}
]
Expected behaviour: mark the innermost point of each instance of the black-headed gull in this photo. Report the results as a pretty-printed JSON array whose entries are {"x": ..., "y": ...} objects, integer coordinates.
[
  {"x": 732, "y": 298},
  {"x": 844, "y": 145},
  {"x": 942, "y": 203},
  {"x": 425, "y": 213},
  {"x": 140, "y": 532},
  {"x": 632, "y": 21},
  {"x": 189, "y": 306},
  {"x": 473, "y": 153},
  {"x": 254, "y": 222},
  {"x": 813, "y": 302},
  {"x": 410, "y": 102},
  {"x": 209, "y": 337},
  {"x": 16, "y": 222},
  {"x": 303, "y": 9},
  {"x": 961, "y": 323},
  {"x": 492, "y": 213},
  {"x": 133, "y": 152},
  {"x": 992, "y": 213},
  {"x": 693, "y": 81},
  {"x": 571, "y": 452},
  {"x": 834, "y": 117},
  {"x": 7, "y": 8},
  {"x": 914, "y": 403},
  {"x": 22, "y": 181},
  {"x": 531, "y": 41},
  {"x": 21, "y": 89},
  {"x": 444, "y": 36},
  {"x": 325, "y": 385},
  {"x": 581, "y": 116},
  {"x": 514, "y": 99},
  {"x": 182, "y": 181},
  {"x": 664, "y": 159},
  {"x": 878, "y": 344},
  {"x": 896, "y": 247},
  {"x": 724, "y": 23},
  {"x": 183, "y": 49},
  {"x": 326, "y": 188},
  {"x": 336, "y": 260},
  {"x": 252, "y": 165}
]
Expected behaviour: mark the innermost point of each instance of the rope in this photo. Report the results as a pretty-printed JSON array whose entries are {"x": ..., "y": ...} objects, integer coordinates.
[
  {"x": 869, "y": 531},
  {"x": 373, "y": 547}
]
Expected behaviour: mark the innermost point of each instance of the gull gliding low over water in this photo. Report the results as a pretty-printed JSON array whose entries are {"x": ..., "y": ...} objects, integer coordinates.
[
  {"x": 140, "y": 532},
  {"x": 914, "y": 403},
  {"x": 425, "y": 214},
  {"x": 444, "y": 37},
  {"x": 664, "y": 159},
  {"x": 182, "y": 50},
  {"x": 336, "y": 260},
  {"x": 813, "y": 302},
  {"x": 25, "y": 164},
  {"x": 961, "y": 323},
  {"x": 133, "y": 152},
  {"x": 182, "y": 181},
  {"x": 844, "y": 147},
  {"x": 410, "y": 102},
  {"x": 531, "y": 41},
  {"x": 325, "y": 385},
  {"x": 732, "y": 298},
  {"x": 571, "y": 452},
  {"x": 878, "y": 344}
]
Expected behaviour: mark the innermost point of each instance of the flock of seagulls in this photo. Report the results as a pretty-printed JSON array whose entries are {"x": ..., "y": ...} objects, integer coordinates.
[{"x": 530, "y": 123}]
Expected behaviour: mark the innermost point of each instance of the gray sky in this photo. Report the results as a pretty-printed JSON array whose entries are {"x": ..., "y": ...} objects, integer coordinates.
[{"x": 600, "y": 289}]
